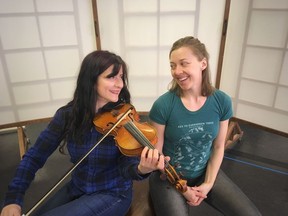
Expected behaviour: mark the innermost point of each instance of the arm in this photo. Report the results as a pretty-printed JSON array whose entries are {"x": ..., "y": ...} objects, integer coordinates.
[
  {"x": 34, "y": 159},
  {"x": 214, "y": 163},
  {"x": 160, "y": 135},
  {"x": 217, "y": 154}
]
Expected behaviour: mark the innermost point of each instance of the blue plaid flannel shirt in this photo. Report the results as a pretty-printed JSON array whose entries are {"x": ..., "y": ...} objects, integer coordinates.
[{"x": 105, "y": 169}]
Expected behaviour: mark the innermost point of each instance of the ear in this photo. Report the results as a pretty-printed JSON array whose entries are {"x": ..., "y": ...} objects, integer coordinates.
[{"x": 203, "y": 63}]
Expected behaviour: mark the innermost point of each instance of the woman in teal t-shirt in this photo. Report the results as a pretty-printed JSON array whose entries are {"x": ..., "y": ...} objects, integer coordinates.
[{"x": 191, "y": 120}]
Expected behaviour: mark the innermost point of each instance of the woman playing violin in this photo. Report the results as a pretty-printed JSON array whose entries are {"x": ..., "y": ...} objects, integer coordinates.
[{"x": 102, "y": 183}]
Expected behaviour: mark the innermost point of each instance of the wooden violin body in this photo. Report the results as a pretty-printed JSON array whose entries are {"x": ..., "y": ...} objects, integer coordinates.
[{"x": 128, "y": 132}]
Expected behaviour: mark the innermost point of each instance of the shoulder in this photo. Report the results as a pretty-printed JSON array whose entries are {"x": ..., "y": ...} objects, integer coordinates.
[
  {"x": 162, "y": 107},
  {"x": 62, "y": 115},
  {"x": 166, "y": 98},
  {"x": 221, "y": 96},
  {"x": 223, "y": 103}
]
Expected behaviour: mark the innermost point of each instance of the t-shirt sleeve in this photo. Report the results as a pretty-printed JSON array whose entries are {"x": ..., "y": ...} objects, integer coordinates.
[
  {"x": 160, "y": 110},
  {"x": 226, "y": 111}
]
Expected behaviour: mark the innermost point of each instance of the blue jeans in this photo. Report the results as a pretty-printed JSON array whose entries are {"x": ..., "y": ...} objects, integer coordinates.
[
  {"x": 100, "y": 204},
  {"x": 225, "y": 197}
]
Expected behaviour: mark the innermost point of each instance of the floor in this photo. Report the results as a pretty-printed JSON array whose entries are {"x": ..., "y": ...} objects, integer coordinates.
[{"x": 258, "y": 164}]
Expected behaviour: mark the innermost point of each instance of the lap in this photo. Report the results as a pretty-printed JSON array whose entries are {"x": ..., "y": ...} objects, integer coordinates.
[
  {"x": 225, "y": 197},
  {"x": 101, "y": 204},
  {"x": 229, "y": 199}
]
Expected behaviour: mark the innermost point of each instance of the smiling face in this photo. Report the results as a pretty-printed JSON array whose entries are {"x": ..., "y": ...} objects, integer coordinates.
[
  {"x": 186, "y": 69},
  {"x": 108, "y": 87}
]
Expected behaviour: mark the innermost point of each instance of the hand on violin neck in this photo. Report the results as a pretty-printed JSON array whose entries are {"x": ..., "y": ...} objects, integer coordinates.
[{"x": 150, "y": 160}]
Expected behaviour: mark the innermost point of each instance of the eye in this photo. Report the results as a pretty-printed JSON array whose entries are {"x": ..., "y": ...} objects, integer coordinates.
[
  {"x": 184, "y": 64},
  {"x": 172, "y": 66}
]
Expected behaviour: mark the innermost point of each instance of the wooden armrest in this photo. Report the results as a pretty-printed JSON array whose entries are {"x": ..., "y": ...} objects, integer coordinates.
[{"x": 22, "y": 141}]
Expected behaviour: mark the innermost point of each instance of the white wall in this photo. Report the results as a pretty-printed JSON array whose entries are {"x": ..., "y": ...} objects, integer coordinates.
[
  {"x": 42, "y": 43},
  {"x": 255, "y": 67},
  {"x": 142, "y": 32}
]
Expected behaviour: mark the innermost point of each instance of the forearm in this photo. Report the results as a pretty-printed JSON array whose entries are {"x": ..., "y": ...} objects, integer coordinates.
[
  {"x": 217, "y": 154},
  {"x": 214, "y": 165}
]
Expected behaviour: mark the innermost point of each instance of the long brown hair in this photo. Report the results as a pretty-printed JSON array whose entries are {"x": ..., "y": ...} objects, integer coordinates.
[{"x": 83, "y": 103}]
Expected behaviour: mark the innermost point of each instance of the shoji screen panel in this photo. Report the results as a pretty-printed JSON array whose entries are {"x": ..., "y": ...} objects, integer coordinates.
[
  {"x": 42, "y": 43},
  {"x": 255, "y": 69},
  {"x": 142, "y": 32}
]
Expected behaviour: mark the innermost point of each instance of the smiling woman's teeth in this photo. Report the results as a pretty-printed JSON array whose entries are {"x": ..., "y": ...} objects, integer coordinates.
[{"x": 182, "y": 79}]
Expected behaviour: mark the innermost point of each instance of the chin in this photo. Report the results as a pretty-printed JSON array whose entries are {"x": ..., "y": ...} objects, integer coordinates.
[{"x": 114, "y": 99}]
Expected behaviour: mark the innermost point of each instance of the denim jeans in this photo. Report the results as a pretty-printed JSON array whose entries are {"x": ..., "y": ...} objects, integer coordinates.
[
  {"x": 225, "y": 197},
  {"x": 100, "y": 204}
]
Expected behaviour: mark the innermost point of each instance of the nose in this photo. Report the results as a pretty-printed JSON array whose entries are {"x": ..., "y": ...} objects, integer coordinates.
[
  {"x": 119, "y": 82},
  {"x": 176, "y": 70}
]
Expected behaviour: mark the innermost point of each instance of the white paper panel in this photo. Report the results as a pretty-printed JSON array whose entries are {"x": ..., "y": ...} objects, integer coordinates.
[
  {"x": 268, "y": 28},
  {"x": 57, "y": 63},
  {"x": 143, "y": 87},
  {"x": 276, "y": 4},
  {"x": 255, "y": 71},
  {"x": 262, "y": 64},
  {"x": 16, "y": 6},
  {"x": 255, "y": 92},
  {"x": 142, "y": 103},
  {"x": 233, "y": 47},
  {"x": 163, "y": 84},
  {"x": 54, "y": 5},
  {"x": 141, "y": 37},
  {"x": 63, "y": 89},
  {"x": 142, "y": 62},
  {"x": 42, "y": 45},
  {"x": 58, "y": 30},
  {"x": 284, "y": 72},
  {"x": 14, "y": 28},
  {"x": 177, "y": 5},
  {"x": 139, "y": 6},
  {"x": 41, "y": 111},
  {"x": 25, "y": 66},
  {"x": 164, "y": 65},
  {"x": 174, "y": 27},
  {"x": 31, "y": 94},
  {"x": 5, "y": 97},
  {"x": 282, "y": 99},
  {"x": 7, "y": 116}
]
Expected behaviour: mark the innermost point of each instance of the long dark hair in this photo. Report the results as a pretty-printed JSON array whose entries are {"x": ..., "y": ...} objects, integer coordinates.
[
  {"x": 200, "y": 51},
  {"x": 85, "y": 96}
]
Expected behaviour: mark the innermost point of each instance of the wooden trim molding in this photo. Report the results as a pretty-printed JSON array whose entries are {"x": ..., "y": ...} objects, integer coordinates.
[{"x": 222, "y": 43}]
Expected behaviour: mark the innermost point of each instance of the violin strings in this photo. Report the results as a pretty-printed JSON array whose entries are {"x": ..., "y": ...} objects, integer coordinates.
[
  {"x": 140, "y": 137},
  {"x": 137, "y": 134}
]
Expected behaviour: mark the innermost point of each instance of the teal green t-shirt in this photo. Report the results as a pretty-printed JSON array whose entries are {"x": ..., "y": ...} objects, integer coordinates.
[{"x": 189, "y": 135}]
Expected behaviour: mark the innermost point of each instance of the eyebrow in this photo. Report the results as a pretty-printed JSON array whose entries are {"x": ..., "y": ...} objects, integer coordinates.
[{"x": 184, "y": 59}]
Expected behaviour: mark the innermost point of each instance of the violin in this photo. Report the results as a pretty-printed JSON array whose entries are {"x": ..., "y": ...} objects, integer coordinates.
[{"x": 131, "y": 137}]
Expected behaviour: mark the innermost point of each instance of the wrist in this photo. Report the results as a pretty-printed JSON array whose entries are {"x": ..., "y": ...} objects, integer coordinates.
[{"x": 141, "y": 170}]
